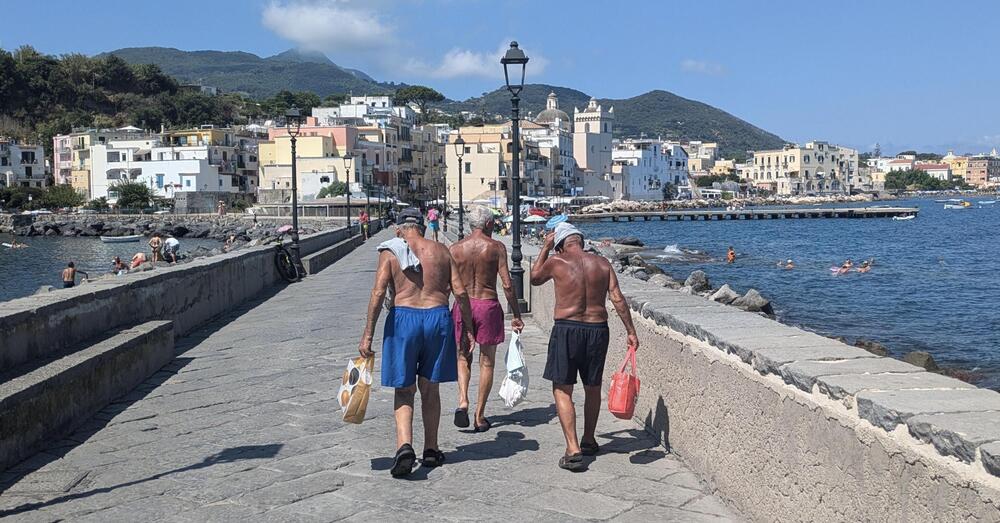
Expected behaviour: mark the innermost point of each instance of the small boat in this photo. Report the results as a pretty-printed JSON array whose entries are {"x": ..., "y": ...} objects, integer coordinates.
[
  {"x": 987, "y": 202},
  {"x": 121, "y": 239},
  {"x": 902, "y": 218}
]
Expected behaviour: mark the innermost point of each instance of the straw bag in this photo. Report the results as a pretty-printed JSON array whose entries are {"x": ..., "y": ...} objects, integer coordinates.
[{"x": 355, "y": 389}]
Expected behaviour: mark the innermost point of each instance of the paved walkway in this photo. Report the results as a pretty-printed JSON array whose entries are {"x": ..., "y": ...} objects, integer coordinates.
[{"x": 244, "y": 426}]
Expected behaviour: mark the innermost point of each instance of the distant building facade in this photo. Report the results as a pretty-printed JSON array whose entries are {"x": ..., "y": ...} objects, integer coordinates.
[
  {"x": 816, "y": 168},
  {"x": 22, "y": 165}
]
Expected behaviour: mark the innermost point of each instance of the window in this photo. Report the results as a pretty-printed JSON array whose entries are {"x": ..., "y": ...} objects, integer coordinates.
[
  {"x": 468, "y": 150},
  {"x": 324, "y": 179},
  {"x": 468, "y": 167},
  {"x": 220, "y": 182},
  {"x": 187, "y": 182},
  {"x": 159, "y": 181},
  {"x": 586, "y": 127},
  {"x": 27, "y": 172}
]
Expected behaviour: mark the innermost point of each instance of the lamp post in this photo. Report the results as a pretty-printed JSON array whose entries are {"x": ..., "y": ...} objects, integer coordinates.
[
  {"x": 511, "y": 60},
  {"x": 459, "y": 151},
  {"x": 293, "y": 124},
  {"x": 348, "y": 163}
]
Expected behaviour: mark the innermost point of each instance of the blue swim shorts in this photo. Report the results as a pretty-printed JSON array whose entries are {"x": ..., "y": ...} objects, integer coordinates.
[
  {"x": 418, "y": 342},
  {"x": 434, "y": 225}
]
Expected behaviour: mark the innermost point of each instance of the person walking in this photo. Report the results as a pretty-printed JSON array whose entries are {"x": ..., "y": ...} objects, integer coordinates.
[
  {"x": 432, "y": 219},
  {"x": 418, "y": 343},
  {"x": 480, "y": 260},
  {"x": 156, "y": 245},
  {"x": 363, "y": 219},
  {"x": 579, "y": 340}
]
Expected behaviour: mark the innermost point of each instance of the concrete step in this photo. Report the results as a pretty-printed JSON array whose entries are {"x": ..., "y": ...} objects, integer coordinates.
[{"x": 48, "y": 401}]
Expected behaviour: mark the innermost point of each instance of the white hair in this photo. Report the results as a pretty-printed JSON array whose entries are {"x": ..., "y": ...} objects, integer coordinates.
[{"x": 479, "y": 216}]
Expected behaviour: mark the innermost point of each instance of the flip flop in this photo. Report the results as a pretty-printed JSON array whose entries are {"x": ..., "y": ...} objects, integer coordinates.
[
  {"x": 462, "y": 418},
  {"x": 405, "y": 459},
  {"x": 573, "y": 463},
  {"x": 484, "y": 427},
  {"x": 590, "y": 449},
  {"x": 433, "y": 458}
]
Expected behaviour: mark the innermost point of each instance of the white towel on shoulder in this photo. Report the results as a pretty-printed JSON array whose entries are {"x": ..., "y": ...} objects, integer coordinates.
[{"x": 399, "y": 248}]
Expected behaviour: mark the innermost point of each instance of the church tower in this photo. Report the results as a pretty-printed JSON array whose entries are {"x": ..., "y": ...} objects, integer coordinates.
[{"x": 592, "y": 137}]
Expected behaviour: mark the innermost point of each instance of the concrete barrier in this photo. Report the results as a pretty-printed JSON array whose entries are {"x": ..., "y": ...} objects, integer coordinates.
[
  {"x": 50, "y": 401},
  {"x": 786, "y": 424},
  {"x": 188, "y": 294}
]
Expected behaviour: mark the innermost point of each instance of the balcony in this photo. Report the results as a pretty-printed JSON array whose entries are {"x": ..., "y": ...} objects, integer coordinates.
[{"x": 79, "y": 146}]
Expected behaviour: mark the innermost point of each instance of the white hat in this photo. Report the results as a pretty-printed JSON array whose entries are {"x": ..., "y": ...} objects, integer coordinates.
[{"x": 565, "y": 230}]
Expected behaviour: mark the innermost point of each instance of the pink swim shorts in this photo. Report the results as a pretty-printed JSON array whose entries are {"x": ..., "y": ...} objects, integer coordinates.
[{"x": 487, "y": 319}]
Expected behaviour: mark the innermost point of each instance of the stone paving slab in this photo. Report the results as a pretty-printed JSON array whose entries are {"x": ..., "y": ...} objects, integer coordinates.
[
  {"x": 803, "y": 374},
  {"x": 958, "y": 434},
  {"x": 843, "y": 385},
  {"x": 887, "y": 409},
  {"x": 244, "y": 426}
]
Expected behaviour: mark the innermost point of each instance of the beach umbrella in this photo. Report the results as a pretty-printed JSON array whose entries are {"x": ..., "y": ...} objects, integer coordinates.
[
  {"x": 534, "y": 219},
  {"x": 555, "y": 220}
]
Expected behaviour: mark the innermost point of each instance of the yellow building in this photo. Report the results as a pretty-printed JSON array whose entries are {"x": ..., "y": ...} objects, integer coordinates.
[
  {"x": 318, "y": 164},
  {"x": 959, "y": 165}
]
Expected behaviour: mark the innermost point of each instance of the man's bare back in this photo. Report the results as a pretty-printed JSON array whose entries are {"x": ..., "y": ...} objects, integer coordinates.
[
  {"x": 431, "y": 285},
  {"x": 478, "y": 258}
]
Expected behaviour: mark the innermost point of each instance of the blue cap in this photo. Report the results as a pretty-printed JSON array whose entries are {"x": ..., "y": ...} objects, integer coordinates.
[{"x": 555, "y": 220}]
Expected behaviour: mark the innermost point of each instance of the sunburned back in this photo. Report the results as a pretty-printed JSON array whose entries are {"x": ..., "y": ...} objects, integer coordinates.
[
  {"x": 428, "y": 287},
  {"x": 478, "y": 259},
  {"x": 581, "y": 284}
]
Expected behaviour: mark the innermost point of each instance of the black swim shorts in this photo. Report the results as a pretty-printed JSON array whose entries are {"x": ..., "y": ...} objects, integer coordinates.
[{"x": 577, "y": 347}]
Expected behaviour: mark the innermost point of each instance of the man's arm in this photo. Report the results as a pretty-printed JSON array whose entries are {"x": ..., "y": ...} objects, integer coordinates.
[
  {"x": 621, "y": 306},
  {"x": 508, "y": 288},
  {"x": 462, "y": 297},
  {"x": 382, "y": 278},
  {"x": 541, "y": 272}
]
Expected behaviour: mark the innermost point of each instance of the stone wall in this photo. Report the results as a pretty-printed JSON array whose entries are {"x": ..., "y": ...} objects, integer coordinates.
[
  {"x": 189, "y": 295},
  {"x": 196, "y": 202},
  {"x": 787, "y": 424}
]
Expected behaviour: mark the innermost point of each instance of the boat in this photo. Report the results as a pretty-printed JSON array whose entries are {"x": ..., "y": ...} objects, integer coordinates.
[
  {"x": 953, "y": 206},
  {"x": 901, "y": 218},
  {"x": 121, "y": 239},
  {"x": 987, "y": 202}
]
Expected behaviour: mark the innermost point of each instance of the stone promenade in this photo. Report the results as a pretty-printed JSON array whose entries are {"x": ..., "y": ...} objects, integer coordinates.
[{"x": 244, "y": 426}]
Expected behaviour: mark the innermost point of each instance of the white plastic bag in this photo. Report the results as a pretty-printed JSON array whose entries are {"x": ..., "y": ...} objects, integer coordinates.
[{"x": 514, "y": 388}]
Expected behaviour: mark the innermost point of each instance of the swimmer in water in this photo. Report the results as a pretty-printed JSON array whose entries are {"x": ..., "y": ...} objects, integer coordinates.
[
  {"x": 731, "y": 255},
  {"x": 788, "y": 265},
  {"x": 865, "y": 266}
]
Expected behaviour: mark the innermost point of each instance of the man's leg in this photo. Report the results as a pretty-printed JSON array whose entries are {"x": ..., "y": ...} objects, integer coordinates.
[
  {"x": 403, "y": 405},
  {"x": 430, "y": 410},
  {"x": 487, "y": 359},
  {"x": 591, "y": 410},
  {"x": 464, "y": 377},
  {"x": 567, "y": 416}
]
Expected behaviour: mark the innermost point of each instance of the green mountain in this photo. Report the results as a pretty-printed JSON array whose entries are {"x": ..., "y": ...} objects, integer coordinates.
[
  {"x": 237, "y": 71},
  {"x": 656, "y": 113}
]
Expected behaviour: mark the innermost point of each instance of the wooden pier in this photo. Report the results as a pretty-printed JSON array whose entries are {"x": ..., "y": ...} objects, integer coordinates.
[{"x": 748, "y": 214}]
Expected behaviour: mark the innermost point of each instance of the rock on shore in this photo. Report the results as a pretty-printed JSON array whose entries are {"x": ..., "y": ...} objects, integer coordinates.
[
  {"x": 212, "y": 227},
  {"x": 647, "y": 206}
]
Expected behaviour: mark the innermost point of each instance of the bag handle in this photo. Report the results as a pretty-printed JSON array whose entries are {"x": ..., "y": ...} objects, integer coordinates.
[{"x": 629, "y": 358}]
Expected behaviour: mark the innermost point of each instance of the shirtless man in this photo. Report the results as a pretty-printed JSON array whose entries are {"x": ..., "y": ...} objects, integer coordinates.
[
  {"x": 69, "y": 275},
  {"x": 480, "y": 259},
  {"x": 418, "y": 342},
  {"x": 579, "y": 340}
]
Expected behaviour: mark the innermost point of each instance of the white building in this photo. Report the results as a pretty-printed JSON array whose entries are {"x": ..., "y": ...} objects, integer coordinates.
[
  {"x": 941, "y": 171},
  {"x": 165, "y": 170},
  {"x": 643, "y": 169},
  {"x": 22, "y": 165},
  {"x": 815, "y": 168}
]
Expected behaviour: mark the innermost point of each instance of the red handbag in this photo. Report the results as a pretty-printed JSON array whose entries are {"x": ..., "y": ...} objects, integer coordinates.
[{"x": 624, "y": 389}]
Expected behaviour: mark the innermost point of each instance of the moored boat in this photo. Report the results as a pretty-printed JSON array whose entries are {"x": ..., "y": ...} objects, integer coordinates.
[{"x": 121, "y": 239}]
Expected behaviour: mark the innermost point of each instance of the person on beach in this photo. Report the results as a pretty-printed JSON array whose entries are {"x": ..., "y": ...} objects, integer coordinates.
[
  {"x": 171, "y": 248},
  {"x": 69, "y": 275},
  {"x": 579, "y": 340},
  {"x": 432, "y": 220},
  {"x": 731, "y": 255},
  {"x": 221, "y": 208},
  {"x": 137, "y": 260},
  {"x": 118, "y": 267},
  {"x": 363, "y": 219},
  {"x": 480, "y": 260},
  {"x": 418, "y": 343},
  {"x": 156, "y": 245}
]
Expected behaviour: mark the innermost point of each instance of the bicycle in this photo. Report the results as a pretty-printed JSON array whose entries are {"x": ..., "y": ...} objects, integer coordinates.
[{"x": 284, "y": 261}]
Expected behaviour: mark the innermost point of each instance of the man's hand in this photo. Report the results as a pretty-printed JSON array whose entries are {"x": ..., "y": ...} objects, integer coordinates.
[
  {"x": 516, "y": 325},
  {"x": 468, "y": 341},
  {"x": 550, "y": 240},
  {"x": 633, "y": 342},
  {"x": 365, "y": 348}
]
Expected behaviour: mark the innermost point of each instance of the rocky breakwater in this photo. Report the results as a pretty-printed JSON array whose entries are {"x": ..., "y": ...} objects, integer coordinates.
[
  {"x": 651, "y": 206},
  {"x": 211, "y": 227}
]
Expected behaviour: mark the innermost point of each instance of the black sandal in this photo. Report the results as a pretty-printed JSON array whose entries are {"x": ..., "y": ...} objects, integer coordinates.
[
  {"x": 485, "y": 426},
  {"x": 462, "y": 418},
  {"x": 433, "y": 458},
  {"x": 590, "y": 449},
  {"x": 573, "y": 463},
  {"x": 405, "y": 459}
]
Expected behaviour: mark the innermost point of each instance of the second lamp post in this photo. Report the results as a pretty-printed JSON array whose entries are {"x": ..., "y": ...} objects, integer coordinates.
[
  {"x": 459, "y": 152},
  {"x": 512, "y": 59}
]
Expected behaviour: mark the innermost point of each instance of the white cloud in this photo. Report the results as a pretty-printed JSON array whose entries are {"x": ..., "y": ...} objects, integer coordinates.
[
  {"x": 327, "y": 25},
  {"x": 689, "y": 65},
  {"x": 459, "y": 62}
]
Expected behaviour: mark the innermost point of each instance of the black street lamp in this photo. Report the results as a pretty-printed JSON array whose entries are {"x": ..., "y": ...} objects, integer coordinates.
[
  {"x": 459, "y": 151},
  {"x": 511, "y": 60},
  {"x": 293, "y": 124},
  {"x": 348, "y": 163}
]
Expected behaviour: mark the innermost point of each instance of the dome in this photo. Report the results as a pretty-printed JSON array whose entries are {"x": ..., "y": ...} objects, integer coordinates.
[{"x": 553, "y": 113}]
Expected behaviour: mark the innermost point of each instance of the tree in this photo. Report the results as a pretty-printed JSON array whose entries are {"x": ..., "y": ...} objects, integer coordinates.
[
  {"x": 419, "y": 95},
  {"x": 133, "y": 195},
  {"x": 915, "y": 180},
  {"x": 708, "y": 181},
  {"x": 62, "y": 195},
  {"x": 334, "y": 189},
  {"x": 669, "y": 191},
  {"x": 98, "y": 204}
]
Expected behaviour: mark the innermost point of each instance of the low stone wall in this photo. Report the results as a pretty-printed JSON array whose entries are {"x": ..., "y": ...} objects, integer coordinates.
[
  {"x": 786, "y": 424},
  {"x": 180, "y": 225},
  {"x": 50, "y": 401},
  {"x": 189, "y": 295}
]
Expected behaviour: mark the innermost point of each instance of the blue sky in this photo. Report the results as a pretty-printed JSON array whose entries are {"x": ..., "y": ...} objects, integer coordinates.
[{"x": 907, "y": 74}]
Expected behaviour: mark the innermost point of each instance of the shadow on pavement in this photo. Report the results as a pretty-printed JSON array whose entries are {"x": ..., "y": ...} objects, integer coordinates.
[
  {"x": 657, "y": 424},
  {"x": 532, "y": 417},
  {"x": 225, "y": 456},
  {"x": 507, "y": 444},
  {"x": 637, "y": 443}
]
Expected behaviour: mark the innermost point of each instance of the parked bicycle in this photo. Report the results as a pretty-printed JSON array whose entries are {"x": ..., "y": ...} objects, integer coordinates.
[{"x": 284, "y": 260}]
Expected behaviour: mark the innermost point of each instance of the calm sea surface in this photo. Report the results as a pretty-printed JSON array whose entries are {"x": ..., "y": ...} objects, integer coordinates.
[
  {"x": 23, "y": 271},
  {"x": 934, "y": 285}
]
